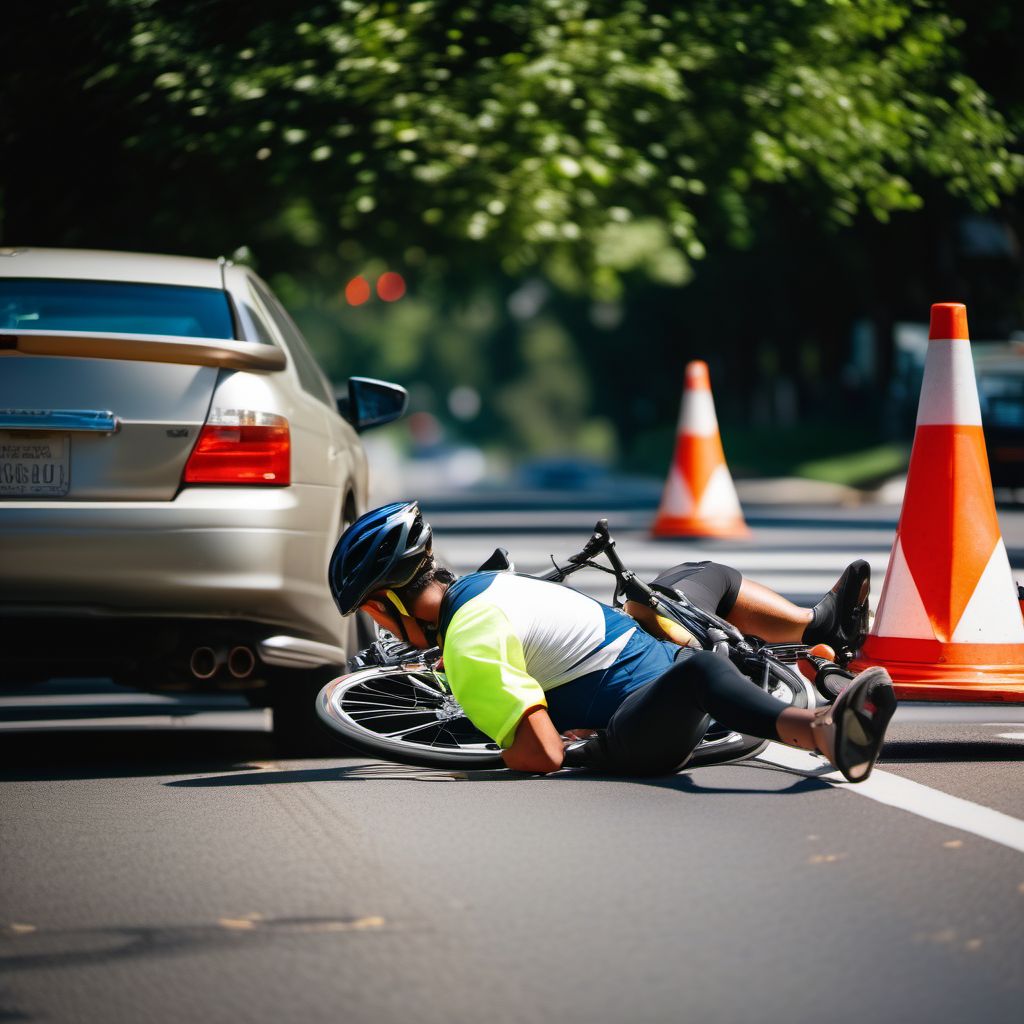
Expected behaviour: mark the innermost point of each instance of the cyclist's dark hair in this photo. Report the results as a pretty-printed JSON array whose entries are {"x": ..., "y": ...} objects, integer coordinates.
[{"x": 430, "y": 573}]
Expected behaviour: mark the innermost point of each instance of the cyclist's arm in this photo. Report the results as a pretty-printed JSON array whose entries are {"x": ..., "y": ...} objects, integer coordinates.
[
  {"x": 537, "y": 746},
  {"x": 658, "y": 626},
  {"x": 487, "y": 672}
]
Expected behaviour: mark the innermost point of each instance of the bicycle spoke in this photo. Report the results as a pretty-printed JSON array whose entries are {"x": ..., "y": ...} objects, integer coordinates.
[
  {"x": 413, "y": 700},
  {"x": 380, "y": 700},
  {"x": 415, "y": 683},
  {"x": 402, "y": 733},
  {"x": 374, "y": 691},
  {"x": 389, "y": 713}
]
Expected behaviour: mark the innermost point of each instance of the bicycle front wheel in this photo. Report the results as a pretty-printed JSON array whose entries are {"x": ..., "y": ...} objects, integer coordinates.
[{"x": 405, "y": 714}]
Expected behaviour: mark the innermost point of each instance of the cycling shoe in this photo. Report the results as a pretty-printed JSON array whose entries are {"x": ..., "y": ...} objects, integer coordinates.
[
  {"x": 860, "y": 716},
  {"x": 851, "y": 596}
]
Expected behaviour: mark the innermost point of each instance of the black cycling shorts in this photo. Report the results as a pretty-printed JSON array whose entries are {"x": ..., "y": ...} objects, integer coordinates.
[{"x": 709, "y": 585}]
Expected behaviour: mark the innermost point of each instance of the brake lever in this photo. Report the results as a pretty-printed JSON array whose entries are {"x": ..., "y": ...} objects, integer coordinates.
[{"x": 600, "y": 539}]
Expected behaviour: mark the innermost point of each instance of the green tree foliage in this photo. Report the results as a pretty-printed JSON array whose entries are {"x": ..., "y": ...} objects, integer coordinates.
[
  {"x": 612, "y": 147},
  {"x": 587, "y": 139}
]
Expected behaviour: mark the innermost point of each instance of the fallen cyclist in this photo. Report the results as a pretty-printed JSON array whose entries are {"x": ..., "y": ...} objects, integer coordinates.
[{"x": 557, "y": 679}]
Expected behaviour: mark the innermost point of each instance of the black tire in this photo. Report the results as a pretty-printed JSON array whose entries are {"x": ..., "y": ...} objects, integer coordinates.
[
  {"x": 722, "y": 747},
  {"x": 298, "y": 731},
  {"x": 365, "y": 708}
]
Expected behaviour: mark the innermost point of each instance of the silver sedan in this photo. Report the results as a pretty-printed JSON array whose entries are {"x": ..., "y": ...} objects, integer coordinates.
[{"x": 174, "y": 473}]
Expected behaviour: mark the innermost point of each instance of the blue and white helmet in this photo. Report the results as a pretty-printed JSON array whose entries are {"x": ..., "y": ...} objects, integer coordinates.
[{"x": 382, "y": 550}]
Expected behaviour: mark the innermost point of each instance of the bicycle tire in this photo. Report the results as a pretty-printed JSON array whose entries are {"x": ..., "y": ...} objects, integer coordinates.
[
  {"x": 730, "y": 748},
  {"x": 363, "y": 706}
]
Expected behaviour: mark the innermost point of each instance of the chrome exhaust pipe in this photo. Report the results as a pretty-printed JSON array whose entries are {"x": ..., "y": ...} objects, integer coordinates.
[
  {"x": 241, "y": 662},
  {"x": 204, "y": 662}
]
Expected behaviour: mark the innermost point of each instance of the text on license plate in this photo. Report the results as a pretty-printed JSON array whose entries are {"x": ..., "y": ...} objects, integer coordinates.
[{"x": 34, "y": 464}]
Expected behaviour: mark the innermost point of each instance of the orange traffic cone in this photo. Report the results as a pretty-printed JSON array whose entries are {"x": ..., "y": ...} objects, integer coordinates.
[
  {"x": 699, "y": 499},
  {"x": 948, "y": 624}
]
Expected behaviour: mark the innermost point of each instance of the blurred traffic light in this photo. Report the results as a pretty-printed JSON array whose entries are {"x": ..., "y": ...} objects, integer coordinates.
[
  {"x": 357, "y": 291},
  {"x": 390, "y": 286}
]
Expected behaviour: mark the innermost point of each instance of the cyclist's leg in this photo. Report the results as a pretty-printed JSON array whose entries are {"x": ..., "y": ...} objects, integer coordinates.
[
  {"x": 709, "y": 585},
  {"x": 747, "y": 604},
  {"x": 761, "y": 611},
  {"x": 657, "y": 726}
]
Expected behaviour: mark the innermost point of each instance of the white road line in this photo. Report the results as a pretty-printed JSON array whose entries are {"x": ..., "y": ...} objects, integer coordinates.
[
  {"x": 908, "y": 796},
  {"x": 1011, "y": 735},
  {"x": 251, "y": 720}
]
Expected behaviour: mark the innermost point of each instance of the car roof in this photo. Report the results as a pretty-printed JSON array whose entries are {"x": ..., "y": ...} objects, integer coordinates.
[{"x": 101, "y": 265}]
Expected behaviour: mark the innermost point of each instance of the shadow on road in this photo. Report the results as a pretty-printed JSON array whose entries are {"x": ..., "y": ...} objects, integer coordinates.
[
  {"x": 93, "y": 754},
  {"x": 904, "y": 751},
  {"x": 949, "y": 751},
  {"x": 234, "y": 758},
  {"x": 687, "y": 782}
]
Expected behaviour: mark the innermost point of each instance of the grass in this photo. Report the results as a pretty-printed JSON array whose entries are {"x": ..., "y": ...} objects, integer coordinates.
[
  {"x": 818, "y": 451},
  {"x": 858, "y": 469}
]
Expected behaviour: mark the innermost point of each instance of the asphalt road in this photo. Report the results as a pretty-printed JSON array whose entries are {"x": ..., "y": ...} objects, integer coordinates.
[{"x": 166, "y": 867}]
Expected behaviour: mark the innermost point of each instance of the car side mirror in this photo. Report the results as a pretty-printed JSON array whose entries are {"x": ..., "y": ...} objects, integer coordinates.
[{"x": 370, "y": 402}]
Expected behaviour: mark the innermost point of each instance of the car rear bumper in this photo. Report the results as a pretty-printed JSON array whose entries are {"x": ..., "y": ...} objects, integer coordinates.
[{"x": 255, "y": 554}]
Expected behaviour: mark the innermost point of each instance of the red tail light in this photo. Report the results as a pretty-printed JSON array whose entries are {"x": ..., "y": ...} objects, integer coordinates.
[{"x": 238, "y": 446}]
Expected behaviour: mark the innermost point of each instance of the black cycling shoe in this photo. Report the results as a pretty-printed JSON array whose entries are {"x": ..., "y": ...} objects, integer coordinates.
[
  {"x": 850, "y": 598},
  {"x": 860, "y": 715}
]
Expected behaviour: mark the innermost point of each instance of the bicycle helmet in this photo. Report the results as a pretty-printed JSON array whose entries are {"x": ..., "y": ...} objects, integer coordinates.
[{"x": 381, "y": 550}]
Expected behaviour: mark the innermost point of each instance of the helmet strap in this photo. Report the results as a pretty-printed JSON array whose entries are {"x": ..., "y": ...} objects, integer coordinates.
[{"x": 428, "y": 628}]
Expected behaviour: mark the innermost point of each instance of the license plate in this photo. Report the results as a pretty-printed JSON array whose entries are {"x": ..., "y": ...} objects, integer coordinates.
[{"x": 34, "y": 464}]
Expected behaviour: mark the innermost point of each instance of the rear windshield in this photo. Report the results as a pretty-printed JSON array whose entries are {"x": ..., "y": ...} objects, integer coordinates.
[{"x": 114, "y": 307}]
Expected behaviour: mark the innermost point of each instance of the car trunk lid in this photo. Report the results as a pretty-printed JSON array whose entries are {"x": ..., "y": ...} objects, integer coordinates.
[{"x": 87, "y": 416}]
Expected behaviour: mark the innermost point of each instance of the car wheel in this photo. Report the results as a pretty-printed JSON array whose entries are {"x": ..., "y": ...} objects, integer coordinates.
[{"x": 298, "y": 731}]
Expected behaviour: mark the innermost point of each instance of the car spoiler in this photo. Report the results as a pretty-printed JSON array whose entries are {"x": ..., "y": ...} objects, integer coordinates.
[{"x": 147, "y": 348}]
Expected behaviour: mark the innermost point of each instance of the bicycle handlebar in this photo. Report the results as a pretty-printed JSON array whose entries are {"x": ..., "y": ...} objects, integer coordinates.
[{"x": 600, "y": 541}]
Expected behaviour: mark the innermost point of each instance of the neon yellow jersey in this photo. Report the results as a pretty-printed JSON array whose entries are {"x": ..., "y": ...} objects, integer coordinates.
[
  {"x": 510, "y": 641},
  {"x": 486, "y": 669}
]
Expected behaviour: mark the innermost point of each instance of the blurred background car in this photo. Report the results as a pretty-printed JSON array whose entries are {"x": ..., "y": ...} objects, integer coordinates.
[
  {"x": 174, "y": 472},
  {"x": 1001, "y": 392}
]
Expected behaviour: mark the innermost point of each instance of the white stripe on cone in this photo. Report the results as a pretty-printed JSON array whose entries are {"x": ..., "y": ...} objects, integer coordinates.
[
  {"x": 677, "y": 499},
  {"x": 720, "y": 497},
  {"x": 992, "y": 616},
  {"x": 697, "y": 415},
  {"x": 901, "y": 611},
  {"x": 949, "y": 393}
]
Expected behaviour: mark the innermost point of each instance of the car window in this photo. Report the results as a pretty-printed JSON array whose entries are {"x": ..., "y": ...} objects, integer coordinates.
[
  {"x": 116, "y": 307},
  {"x": 254, "y": 316},
  {"x": 311, "y": 377},
  {"x": 1002, "y": 400}
]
